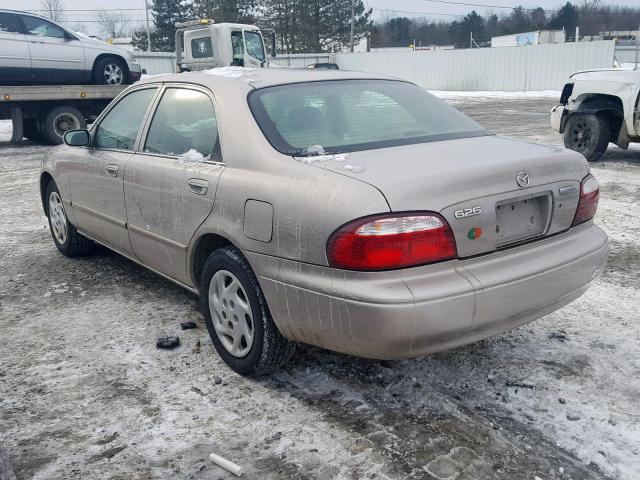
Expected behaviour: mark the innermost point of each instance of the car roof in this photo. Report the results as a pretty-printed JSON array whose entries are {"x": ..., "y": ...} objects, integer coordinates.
[
  {"x": 263, "y": 77},
  {"x": 22, "y": 12}
]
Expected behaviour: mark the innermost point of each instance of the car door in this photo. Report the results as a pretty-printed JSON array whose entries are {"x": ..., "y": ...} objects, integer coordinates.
[
  {"x": 97, "y": 178},
  {"x": 15, "y": 62},
  {"x": 56, "y": 55},
  {"x": 170, "y": 185}
]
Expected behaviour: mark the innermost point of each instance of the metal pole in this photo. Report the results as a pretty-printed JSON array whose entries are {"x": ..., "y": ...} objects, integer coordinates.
[
  {"x": 470, "y": 39},
  {"x": 577, "y": 34},
  {"x": 146, "y": 9},
  {"x": 353, "y": 25}
]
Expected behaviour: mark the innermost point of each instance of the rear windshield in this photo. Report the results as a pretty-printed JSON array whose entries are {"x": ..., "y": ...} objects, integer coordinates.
[{"x": 306, "y": 119}]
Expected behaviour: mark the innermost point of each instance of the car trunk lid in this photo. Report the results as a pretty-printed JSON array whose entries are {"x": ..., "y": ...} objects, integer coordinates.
[{"x": 474, "y": 184}]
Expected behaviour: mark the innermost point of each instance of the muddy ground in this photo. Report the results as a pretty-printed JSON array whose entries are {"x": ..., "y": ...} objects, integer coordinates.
[{"x": 84, "y": 393}]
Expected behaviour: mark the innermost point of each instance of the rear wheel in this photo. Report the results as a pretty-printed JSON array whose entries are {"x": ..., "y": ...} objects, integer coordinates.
[
  {"x": 59, "y": 121},
  {"x": 587, "y": 134},
  {"x": 67, "y": 239},
  {"x": 237, "y": 316}
]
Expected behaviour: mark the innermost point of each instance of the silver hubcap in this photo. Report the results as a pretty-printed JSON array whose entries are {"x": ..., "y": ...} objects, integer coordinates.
[
  {"x": 65, "y": 122},
  {"x": 57, "y": 218},
  {"x": 113, "y": 74},
  {"x": 231, "y": 313}
]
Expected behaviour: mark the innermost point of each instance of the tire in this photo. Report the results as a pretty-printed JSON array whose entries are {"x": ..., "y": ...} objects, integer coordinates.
[
  {"x": 110, "y": 71},
  {"x": 67, "y": 239},
  {"x": 588, "y": 134},
  {"x": 59, "y": 121},
  {"x": 226, "y": 277}
]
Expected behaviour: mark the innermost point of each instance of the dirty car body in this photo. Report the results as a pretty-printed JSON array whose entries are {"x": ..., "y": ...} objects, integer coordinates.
[{"x": 385, "y": 231}]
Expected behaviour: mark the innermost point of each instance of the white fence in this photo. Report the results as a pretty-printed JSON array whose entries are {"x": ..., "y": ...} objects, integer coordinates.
[
  {"x": 164, "y": 62},
  {"x": 300, "y": 60},
  {"x": 628, "y": 53},
  {"x": 156, "y": 62},
  {"x": 527, "y": 68}
]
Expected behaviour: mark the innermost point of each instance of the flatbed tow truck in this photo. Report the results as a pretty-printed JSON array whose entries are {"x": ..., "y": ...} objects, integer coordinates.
[{"x": 44, "y": 113}]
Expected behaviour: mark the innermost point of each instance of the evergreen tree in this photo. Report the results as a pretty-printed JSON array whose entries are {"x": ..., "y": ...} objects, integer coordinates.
[
  {"x": 400, "y": 31},
  {"x": 470, "y": 24},
  {"x": 233, "y": 11},
  {"x": 165, "y": 13},
  {"x": 307, "y": 26},
  {"x": 567, "y": 18}
]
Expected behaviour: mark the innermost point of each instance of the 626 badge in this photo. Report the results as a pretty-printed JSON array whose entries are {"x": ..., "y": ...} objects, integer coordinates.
[{"x": 468, "y": 212}]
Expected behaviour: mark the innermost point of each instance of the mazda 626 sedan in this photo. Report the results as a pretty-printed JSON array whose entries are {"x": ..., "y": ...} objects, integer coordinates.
[{"x": 349, "y": 211}]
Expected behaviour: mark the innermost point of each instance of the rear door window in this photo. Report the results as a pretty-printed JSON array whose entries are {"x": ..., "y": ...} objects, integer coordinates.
[
  {"x": 184, "y": 120},
  {"x": 119, "y": 129},
  {"x": 9, "y": 23}
]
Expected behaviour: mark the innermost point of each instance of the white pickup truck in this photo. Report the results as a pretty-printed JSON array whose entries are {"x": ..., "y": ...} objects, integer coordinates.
[{"x": 598, "y": 107}]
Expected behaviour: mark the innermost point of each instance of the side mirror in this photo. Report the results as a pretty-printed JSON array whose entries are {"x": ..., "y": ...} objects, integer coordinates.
[{"x": 77, "y": 138}]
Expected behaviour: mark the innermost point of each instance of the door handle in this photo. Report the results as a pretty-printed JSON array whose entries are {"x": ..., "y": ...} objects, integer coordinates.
[
  {"x": 198, "y": 186},
  {"x": 112, "y": 170}
]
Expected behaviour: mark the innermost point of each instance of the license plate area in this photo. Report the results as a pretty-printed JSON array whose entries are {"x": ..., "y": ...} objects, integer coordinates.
[{"x": 521, "y": 219}]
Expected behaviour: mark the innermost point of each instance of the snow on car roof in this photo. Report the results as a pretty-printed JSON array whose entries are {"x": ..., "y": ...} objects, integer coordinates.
[{"x": 263, "y": 77}]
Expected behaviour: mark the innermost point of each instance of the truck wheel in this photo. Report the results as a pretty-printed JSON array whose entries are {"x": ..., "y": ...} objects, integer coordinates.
[
  {"x": 60, "y": 120},
  {"x": 237, "y": 316},
  {"x": 67, "y": 239},
  {"x": 110, "y": 71},
  {"x": 588, "y": 134}
]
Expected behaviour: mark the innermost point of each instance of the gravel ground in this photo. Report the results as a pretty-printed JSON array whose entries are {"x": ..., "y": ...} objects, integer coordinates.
[{"x": 85, "y": 394}]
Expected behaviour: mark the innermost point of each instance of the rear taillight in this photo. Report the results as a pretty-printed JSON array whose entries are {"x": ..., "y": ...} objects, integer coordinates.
[
  {"x": 387, "y": 242},
  {"x": 589, "y": 196}
]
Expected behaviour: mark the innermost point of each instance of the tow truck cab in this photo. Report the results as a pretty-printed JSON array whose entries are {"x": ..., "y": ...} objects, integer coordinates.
[{"x": 204, "y": 44}]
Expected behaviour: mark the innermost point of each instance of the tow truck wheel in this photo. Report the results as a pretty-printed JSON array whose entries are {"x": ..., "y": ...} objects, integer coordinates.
[
  {"x": 587, "y": 134},
  {"x": 59, "y": 121}
]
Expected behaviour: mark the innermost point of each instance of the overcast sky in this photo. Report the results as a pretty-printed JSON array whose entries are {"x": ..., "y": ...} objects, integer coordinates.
[{"x": 419, "y": 8}]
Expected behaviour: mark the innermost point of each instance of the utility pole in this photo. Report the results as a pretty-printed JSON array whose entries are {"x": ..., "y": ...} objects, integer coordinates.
[
  {"x": 353, "y": 25},
  {"x": 146, "y": 9}
]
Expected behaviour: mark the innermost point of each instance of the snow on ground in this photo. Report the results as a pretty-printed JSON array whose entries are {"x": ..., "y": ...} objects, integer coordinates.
[
  {"x": 85, "y": 394},
  {"x": 5, "y": 130}
]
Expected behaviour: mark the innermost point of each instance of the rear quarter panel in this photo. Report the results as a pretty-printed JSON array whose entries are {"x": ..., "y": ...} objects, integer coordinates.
[{"x": 309, "y": 203}]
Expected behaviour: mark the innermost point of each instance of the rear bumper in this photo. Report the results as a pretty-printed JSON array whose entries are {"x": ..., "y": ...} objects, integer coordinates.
[
  {"x": 557, "y": 117},
  {"x": 417, "y": 311}
]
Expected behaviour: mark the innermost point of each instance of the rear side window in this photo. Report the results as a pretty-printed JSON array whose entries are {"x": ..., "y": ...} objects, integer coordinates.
[
  {"x": 353, "y": 115},
  {"x": 184, "y": 120},
  {"x": 42, "y": 28},
  {"x": 9, "y": 23},
  {"x": 201, "y": 48},
  {"x": 119, "y": 128}
]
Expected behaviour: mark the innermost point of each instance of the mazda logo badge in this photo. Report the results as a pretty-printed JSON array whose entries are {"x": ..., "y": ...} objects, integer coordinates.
[{"x": 523, "y": 179}]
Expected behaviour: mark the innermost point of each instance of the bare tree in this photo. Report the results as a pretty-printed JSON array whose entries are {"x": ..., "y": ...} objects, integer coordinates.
[
  {"x": 54, "y": 9},
  {"x": 113, "y": 24}
]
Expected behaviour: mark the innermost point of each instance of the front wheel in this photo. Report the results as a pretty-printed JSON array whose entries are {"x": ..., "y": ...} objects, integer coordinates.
[
  {"x": 110, "y": 71},
  {"x": 588, "y": 134},
  {"x": 237, "y": 316}
]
